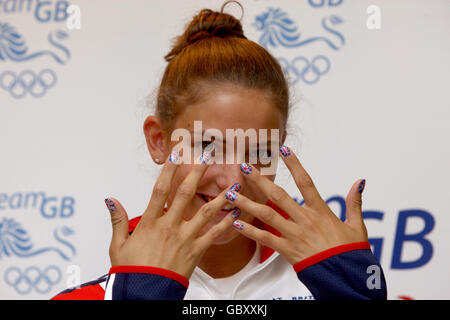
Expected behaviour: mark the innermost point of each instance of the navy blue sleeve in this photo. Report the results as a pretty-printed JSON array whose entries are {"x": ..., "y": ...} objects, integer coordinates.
[
  {"x": 145, "y": 283},
  {"x": 345, "y": 272}
]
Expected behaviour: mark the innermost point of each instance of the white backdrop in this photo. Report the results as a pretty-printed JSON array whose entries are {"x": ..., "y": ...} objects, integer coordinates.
[{"x": 373, "y": 104}]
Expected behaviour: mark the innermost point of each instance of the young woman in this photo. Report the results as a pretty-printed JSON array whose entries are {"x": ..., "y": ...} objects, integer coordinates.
[{"x": 225, "y": 231}]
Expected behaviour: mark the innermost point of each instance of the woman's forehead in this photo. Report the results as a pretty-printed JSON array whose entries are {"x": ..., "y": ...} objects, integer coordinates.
[{"x": 232, "y": 109}]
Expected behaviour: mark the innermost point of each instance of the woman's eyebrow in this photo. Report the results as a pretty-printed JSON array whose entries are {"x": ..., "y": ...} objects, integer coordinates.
[
  {"x": 222, "y": 140},
  {"x": 218, "y": 139},
  {"x": 263, "y": 143}
]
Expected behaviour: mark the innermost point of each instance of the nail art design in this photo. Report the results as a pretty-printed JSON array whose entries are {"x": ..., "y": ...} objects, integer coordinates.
[
  {"x": 111, "y": 206},
  {"x": 205, "y": 157},
  {"x": 236, "y": 187},
  {"x": 230, "y": 195},
  {"x": 174, "y": 156},
  {"x": 246, "y": 168},
  {"x": 236, "y": 213},
  {"x": 207, "y": 153},
  {"x": 285, "y": 151},
  {"x": 362, "y": 184},
  {"x": 238, "y": 225}
]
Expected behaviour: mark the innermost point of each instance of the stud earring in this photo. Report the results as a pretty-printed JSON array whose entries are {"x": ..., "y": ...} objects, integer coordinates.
[{"x": 157, "y": 160}]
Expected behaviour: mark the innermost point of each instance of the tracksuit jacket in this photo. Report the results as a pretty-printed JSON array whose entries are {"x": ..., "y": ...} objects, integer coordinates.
[{"x": 349, "y": 271}]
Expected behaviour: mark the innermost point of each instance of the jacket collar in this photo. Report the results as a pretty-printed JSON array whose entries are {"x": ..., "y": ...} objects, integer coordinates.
[{"x": 266, "y": 251}]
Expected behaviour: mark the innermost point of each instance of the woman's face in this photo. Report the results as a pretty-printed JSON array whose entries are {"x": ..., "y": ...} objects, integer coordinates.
[{"x": 227, "y": 107}]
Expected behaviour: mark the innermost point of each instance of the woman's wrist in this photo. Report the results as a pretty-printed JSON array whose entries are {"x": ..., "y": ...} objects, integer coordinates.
[
  {"x": 323, "y": 255},
  {"x": 151, "y": 270}
]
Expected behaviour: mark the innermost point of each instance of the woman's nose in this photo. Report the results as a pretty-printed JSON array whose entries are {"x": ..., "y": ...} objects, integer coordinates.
[{"x": 228, "y": 174}]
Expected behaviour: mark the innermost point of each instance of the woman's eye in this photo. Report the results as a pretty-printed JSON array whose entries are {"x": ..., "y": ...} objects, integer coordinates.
[
  {"x": 261, "y": 154},
  {"x": 205, "y": 144},
  {"x": 264, "y": 154}
]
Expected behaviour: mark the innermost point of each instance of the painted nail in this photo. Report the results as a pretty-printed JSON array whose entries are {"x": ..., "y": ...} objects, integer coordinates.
[
  {"x": 174, "y": 156},
  {"x": 236, "y": 187},
  {"x": 111, "y": 206},
  {"x": 246, "y": 168},
  {"x": 362, "y": 184},
  {"x": 285, "y": 151},
  {"x": 236, "y": 213},
  {"x": 205, "y": 157},
  {"x": 230, "y": 195},
  {"x": 207, "y": 153},
  {"x": 238, "y": 225}
]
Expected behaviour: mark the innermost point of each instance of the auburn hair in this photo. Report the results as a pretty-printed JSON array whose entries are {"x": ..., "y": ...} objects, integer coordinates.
[{"x": 213, "y": 50}]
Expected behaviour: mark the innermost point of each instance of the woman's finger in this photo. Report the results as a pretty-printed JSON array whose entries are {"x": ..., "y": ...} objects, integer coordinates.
[
  {"x": 262, "y": 236},
  {"x": 161, "y": 189},
  {"x": 302, "y": 179},
  {"x": 354, "y": 203},
  {"x": 262, "y": 212},
  {"x": 208, "y": 211},
  {"x": 119, "y": 221},
  {"x": 275, "y": 193},
  {"x": 206, "y": 240},
  {"x": 186, "y": 191}
]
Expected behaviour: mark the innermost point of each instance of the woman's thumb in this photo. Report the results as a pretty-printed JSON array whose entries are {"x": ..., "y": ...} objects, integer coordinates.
[
  {"x": 119, "y": 221},
  {"x": 354, "y": 202}
]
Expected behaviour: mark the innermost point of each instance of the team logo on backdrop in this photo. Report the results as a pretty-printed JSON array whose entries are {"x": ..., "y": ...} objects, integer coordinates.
[
  {"x": 321, "y": 3},
  {"x": 33, "y": 279},
  {"x": 280, "y": 30},
  {"x": 17, "y": 78},
  {"x": 18, "y": 242},
  {"x": 401, "y": 236}
]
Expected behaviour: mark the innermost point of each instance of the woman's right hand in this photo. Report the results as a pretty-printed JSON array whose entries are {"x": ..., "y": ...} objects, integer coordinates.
[{"x": 164, "y": 239}]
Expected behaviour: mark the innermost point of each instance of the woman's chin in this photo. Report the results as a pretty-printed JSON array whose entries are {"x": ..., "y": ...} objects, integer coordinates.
[{"x": 226, "y": 237}]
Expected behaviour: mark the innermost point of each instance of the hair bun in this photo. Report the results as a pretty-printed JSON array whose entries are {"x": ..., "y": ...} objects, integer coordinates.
[{"x": 208, "y": 24}]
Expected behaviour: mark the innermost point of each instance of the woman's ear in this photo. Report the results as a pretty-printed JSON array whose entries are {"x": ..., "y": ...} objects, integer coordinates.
[{"x": 153, "y": 132}]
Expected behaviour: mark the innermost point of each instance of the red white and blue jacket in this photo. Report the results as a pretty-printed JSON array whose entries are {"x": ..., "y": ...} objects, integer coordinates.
[{"x": 342, "y": 272}]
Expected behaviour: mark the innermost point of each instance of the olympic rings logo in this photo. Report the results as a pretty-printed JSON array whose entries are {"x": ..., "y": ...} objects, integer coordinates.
[
  {"x": 302, "y": 68},
  {"x": 321, "y": 3},
  {"x": 32, "y": 278},
  {"x": 27, "y": 82}
]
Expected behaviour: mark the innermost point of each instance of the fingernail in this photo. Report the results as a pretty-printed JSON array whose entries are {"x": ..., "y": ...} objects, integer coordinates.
[
  {"x": 205, "y": 157},
  {"x": 238, "y": 225},
  {"x": 230, "y": 195},
  {"x": 174, "y": 156},
  {"x": 362, "y": 184},
  {"x": 236, "y": 213},
  {"x": 246, "y": 168},
  {"x": 236, "y": 187},
  {"x": 111, "y": 206},
  {"x": 207, "y": 153},
  {"x": 285, "y": 151}
]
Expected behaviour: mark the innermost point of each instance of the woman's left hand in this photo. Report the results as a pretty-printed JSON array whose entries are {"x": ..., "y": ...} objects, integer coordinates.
[{"x": 311, "y": 228}]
